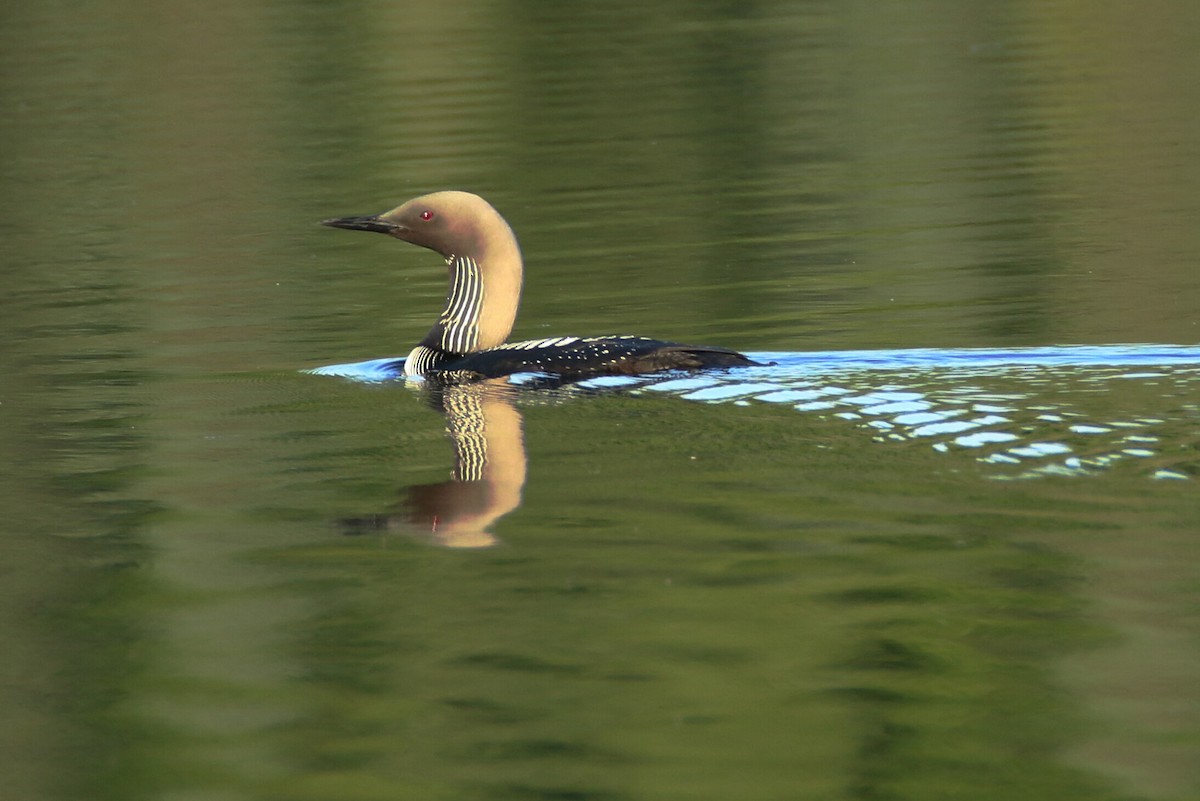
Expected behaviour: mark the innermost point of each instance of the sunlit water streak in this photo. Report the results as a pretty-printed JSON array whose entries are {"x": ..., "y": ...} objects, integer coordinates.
[{"x": 1024, "y": 412}]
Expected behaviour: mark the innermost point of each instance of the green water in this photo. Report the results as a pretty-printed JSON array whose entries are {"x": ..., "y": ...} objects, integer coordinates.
[{"x": 691, "y": 600}]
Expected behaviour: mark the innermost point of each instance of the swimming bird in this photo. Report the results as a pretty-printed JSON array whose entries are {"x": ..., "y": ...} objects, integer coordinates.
[{"x": 468, "y": 341}]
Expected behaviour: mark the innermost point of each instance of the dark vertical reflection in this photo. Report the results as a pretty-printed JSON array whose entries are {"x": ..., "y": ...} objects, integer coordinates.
[
  {"x": 761, "y": 101},
  {"x": 1021, "y": 249},
  {"x": 71, "y": 417}
]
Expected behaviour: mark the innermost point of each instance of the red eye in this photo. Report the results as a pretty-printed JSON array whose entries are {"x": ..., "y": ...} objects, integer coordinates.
[{"x": 427, "y": 216}]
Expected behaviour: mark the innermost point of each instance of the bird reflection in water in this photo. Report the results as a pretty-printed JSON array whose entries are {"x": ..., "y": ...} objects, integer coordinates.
[{"x": 489, "y": 472}]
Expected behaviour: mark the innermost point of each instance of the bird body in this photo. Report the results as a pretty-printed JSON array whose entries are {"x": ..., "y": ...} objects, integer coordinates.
[{"x": 483, "y": 259}]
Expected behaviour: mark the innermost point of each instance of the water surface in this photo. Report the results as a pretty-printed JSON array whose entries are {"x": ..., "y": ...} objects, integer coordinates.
[{"x": 920, "y": 557}]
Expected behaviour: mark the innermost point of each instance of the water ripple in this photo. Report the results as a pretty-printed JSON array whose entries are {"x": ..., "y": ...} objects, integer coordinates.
[{"x": 1021, "y": 412}]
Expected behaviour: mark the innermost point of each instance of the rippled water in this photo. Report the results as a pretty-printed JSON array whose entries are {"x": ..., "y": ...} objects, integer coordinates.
[
  {"x": 944, "y": 547},
  {"x": 1031, "y": 409}
]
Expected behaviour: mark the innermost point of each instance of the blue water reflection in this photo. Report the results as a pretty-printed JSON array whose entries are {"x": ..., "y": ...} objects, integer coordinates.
[
  {"x": 1019, "y": 410},
  {"x": 787, "y": 364}
]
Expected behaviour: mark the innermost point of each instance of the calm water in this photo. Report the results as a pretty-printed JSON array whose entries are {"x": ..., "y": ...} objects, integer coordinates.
[{"x": 946, "y": 547}]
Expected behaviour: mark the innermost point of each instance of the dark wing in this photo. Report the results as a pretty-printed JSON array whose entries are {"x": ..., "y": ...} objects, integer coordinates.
[{"x": 582, "y": 357}]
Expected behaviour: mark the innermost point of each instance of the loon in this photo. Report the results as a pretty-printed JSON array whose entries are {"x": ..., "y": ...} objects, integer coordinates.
[{"x": 468, "y": 341}]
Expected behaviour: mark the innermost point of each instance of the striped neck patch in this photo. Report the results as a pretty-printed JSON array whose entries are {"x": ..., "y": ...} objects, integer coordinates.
[{"x": 464, "y": 305}]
